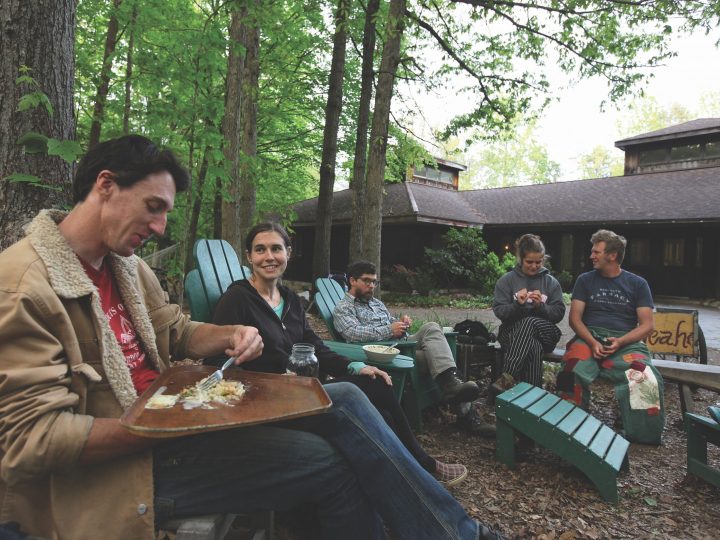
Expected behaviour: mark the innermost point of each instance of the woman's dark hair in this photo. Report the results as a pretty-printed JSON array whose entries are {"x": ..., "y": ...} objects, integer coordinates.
[
  {"x": 266, "y": 226},
  {"x": 528, "y": 243},
  {"x": 130, "y": 158}
]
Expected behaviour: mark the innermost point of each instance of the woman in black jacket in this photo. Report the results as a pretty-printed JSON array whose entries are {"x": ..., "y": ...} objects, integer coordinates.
[{"x": 276, "y": 312}]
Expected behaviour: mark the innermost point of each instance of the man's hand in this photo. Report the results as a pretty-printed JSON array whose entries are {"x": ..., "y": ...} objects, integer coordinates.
[
  {"x": 399, "y": 328},
  {"x": 245, "y": 343},
  {"x": 372, "y": 372},
  {"x": 234, "y": 340}
]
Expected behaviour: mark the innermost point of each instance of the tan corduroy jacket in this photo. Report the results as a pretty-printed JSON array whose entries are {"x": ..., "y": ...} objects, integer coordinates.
[{"x": 61, "y": 366}]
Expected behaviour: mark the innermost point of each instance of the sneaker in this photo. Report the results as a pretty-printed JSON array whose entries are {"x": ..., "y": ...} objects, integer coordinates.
[
  {"x": 473, "y": 424},
  {"x": 454, "y": 390},
  {"x": 449, "y": 473}
]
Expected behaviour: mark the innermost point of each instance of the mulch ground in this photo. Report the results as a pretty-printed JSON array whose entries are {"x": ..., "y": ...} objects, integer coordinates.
[{"x": 546, "y": 498}]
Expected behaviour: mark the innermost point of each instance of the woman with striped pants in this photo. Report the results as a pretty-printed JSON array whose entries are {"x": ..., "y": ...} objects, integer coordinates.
[{"x": 529, "y": 302}]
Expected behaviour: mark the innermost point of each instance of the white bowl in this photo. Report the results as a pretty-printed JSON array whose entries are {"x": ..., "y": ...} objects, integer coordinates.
[{"x": 380, "y": 353}]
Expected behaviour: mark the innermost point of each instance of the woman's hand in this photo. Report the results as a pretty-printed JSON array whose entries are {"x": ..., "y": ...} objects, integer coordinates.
[
  {"x": 535, "y": 298},
  {"x": 372, "y": 372},
  {"x": 521, "y": 296}
]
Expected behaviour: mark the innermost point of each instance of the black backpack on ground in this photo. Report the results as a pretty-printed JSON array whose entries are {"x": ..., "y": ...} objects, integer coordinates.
[{"x": 474, "y": 332}]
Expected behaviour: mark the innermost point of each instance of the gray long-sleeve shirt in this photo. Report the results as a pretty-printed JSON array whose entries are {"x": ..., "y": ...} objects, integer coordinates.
[{"x": 508, "y": 310}]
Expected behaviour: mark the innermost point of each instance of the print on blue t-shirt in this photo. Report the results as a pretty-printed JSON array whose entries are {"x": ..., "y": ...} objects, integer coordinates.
[{"x": 612, "y": 302}]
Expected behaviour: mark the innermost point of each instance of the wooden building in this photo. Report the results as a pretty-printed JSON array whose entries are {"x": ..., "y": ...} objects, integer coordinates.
[{"x": 665, "y": 205}]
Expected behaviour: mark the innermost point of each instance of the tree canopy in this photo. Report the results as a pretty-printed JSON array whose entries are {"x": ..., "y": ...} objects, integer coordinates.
[{"x": 162, "y": 67}]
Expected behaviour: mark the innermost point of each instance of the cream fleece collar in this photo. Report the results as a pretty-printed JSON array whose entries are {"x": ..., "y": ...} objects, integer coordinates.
[{"x": 69, "y": 280}]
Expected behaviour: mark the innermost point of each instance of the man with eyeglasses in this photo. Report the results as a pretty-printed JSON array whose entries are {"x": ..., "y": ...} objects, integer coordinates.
[{"x": 362, "y": 318}]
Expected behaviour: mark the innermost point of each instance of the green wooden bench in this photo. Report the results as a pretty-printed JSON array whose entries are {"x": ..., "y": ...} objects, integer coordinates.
[
  {"x": 422, "y": 390},
  {"x": 701, "y": 430},
  {"x": 567, "y": 430}
]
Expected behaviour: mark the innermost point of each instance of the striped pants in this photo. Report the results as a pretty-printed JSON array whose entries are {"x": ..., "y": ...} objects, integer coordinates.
[{"x": 524, "y": 343}]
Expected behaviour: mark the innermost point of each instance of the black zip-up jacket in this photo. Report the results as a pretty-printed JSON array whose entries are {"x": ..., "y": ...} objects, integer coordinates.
[{"x": 242, "y": 304}]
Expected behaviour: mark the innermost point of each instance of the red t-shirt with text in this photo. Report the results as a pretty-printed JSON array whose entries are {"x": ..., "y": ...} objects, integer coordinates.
[{"x": 141, "y": 371}]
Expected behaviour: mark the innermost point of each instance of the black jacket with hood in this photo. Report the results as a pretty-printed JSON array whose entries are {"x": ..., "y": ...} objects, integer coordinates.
[{"x": 242, "y": 304}]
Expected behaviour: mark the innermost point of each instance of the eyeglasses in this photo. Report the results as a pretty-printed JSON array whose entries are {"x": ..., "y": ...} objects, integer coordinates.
[{"x": 368, "y": 281}]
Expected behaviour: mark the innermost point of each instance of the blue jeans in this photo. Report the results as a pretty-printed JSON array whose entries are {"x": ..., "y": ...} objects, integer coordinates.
[{"x": 283, "y": 465}]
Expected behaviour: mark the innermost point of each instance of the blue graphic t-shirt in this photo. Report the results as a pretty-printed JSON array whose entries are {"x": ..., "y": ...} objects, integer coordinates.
[{"x": 612, "y": 302}]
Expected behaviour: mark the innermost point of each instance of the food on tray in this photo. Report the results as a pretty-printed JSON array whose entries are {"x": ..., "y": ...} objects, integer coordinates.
[
  {"x": 161, "y": 401},
  {"x": 193, "y": 396}
]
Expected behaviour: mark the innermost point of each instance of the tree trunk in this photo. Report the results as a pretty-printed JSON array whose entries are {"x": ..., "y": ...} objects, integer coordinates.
[
  {"x": 249, "y": 138},
  {"x": 104, "y": 86},
  {"x": 358, "y": 184},
  {"x": 379, "y": 132},
  {"x": 197, "y": 190},
  {"x": 321, "y": 256},
  {"x": 39, "y": 35},
  {"x": 129, "y": 73},
  {"x": 232, "y": 131}
]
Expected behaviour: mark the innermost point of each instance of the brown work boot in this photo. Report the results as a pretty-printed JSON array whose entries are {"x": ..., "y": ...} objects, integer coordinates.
[
  {"x": 454, "y": 390},
  {"x": 503, "y": 382},
  {"x": 473, "y": 424}
]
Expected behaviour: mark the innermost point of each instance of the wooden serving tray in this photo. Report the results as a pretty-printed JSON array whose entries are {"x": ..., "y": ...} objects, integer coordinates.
[{"x": 269, "y": 397}]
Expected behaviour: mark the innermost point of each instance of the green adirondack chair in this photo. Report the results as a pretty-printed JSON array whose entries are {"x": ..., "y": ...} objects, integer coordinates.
[
  {"x": 422, "y": 392},
  {"x": 217, "y": 266},
  {"x": 197, "y": 299}
]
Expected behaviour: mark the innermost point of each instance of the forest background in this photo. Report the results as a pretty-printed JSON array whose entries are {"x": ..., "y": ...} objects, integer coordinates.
[{"x": 268, "y": 102}]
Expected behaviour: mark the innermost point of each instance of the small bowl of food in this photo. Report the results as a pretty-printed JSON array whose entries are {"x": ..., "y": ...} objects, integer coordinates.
[{"x": 380, "y": 353}]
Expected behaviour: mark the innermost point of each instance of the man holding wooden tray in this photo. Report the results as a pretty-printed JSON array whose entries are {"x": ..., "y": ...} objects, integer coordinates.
[{"x": 85, "y": 328}]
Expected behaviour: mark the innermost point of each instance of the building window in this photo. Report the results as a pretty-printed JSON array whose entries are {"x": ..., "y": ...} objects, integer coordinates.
[
  {"x": 712, "y": 149},
  {"x": 654, "y": 155},
  {"x": 685, "y": 151},
  {"x": 674, "y": 252},
  {"x": 698, "y": 252},
  {"x": 640, "y": 251},
  {"x": 434, "y": 174}
]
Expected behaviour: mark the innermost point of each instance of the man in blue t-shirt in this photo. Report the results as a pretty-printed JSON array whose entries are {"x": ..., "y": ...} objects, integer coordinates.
[{"x": 612, "y": 314}]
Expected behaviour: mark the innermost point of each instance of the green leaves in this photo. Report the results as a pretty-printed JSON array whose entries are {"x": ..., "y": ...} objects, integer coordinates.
[
  {"x": 20, "y": 178},
  {"x": 34, "y": 100},
  {"x": 37, "y": 143},
  {"x": 67, "y": 150},
  {"x": 34, "y": 143}
]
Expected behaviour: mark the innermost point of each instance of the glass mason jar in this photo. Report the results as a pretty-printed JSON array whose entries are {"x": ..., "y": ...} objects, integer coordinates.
[{"x": 302, "y": 361}]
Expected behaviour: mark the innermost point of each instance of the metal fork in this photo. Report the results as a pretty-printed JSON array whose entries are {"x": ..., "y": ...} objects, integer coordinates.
[{"x": 216, "y": 376}]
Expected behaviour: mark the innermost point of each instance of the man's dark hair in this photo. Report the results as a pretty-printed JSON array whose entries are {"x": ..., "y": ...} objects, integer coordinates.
[
  {"x": 130, "y": 158},
  {"x": 360, "y": 268}
]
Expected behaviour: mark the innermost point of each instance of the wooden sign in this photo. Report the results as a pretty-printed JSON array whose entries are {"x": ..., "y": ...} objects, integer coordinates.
[{"x": 675, "y": 332}]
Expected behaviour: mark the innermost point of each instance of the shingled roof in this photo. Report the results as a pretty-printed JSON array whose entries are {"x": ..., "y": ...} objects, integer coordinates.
[
  {"x": 701, "y": 126},
  {"x": 663, "y": 197},
  {"x": 404, "y": 202}
]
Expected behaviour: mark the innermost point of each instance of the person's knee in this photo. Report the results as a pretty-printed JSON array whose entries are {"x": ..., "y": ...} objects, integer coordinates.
[
  {"x": 344, "y": 394},
  {"x": 431, "y": 327}
]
